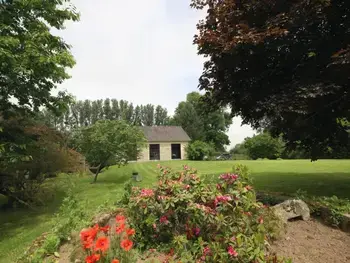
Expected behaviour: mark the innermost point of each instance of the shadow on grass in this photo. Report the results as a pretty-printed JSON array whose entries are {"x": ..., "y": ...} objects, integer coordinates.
[
  {"x": 317, "y": 184},
  {"x": 14, "y": 221}
]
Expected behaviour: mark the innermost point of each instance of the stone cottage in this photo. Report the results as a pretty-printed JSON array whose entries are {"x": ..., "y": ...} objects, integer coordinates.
[{"x": 164, "y": 143}]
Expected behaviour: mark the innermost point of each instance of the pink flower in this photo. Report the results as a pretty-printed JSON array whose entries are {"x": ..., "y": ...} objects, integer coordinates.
[
  {"x": 164, "y": 220},
  {"x": 187, "y": 187},
  {"x": 186, "y": 167},
  {"x": 154, "y": 226},
  {"x": 196, "y": 231},
  {"x": 248, "y": 187},
  {"x": 233, "y": 239},
  {"x": 218, "y": 186},
  {"x": 232, "y": 252},
  {"x": 228, "y": 178},
  {"x": 206, "y": 251},
  {"x": 261, "y": 220},
  {"x": 222, "y": 199},
  {"x": 146, "y": 192}
]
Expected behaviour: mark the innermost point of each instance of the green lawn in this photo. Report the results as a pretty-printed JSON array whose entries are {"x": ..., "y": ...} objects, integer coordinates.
[{"x": 324, "y": 177}]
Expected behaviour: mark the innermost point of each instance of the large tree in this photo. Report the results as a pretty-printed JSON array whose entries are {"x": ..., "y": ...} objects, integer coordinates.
[
  {"x": 33, "y": 60},
  {"x": 210, "y": 127},
  {"x": 283, "y": 64}
]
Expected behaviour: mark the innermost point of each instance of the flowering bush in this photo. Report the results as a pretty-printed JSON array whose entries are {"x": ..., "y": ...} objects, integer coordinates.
[
  {"x": 201, "y": 222},
  {"x": 106, "y": 244}
]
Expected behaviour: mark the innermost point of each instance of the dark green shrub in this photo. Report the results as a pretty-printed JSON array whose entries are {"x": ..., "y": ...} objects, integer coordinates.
[{"x": 198, "y": 150}]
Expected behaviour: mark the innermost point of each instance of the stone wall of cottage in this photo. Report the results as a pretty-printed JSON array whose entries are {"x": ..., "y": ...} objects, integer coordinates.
[{"x": 165, "y": 151}]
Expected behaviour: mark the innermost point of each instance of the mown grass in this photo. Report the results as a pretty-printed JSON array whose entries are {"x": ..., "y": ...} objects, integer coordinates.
[{"x": 18, "y": 228}]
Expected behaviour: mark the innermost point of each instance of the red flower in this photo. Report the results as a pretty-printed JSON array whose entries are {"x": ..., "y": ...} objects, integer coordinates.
[
  {"x": 102, "y": 243},
  {"x": 93, "y": 258},
  {"x": 130, "y": 231},
  {"x": 115, "y": 261},
  {"x": 89, "y": 243},
  {"x": 232, "y": 252},
  {"x": 126, "y": 244},
  {"x": 89, "y": 233},
  {"x": 164, "y": 220},
  {"x": 120, "y": 219},
  {"x": 105, "y": 229},
  {"x": 119, "y": 229}
]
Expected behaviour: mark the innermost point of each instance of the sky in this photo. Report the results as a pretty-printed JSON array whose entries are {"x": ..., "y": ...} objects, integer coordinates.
[{"x": 140, "y": 51}]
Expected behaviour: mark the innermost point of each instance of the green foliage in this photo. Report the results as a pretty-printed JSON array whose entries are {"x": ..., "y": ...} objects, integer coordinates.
[
  {"x": 200, "y": 124},
  {"x": 206, "y": 222},
  {"x": 33, "y": 61},
  {"x": 41, "y": 154},
  {"x": 109, "y": 142},
  {"x": 280, "y": 68},
  {"x": 197, "y": 150},
  {"x": 127, "y": 192},
  {"x": 263, "y": 146},
  {"x": 337, "y": 207},
  {"x": 71, "y": 216},
  {"x": 51, "y": 243}
]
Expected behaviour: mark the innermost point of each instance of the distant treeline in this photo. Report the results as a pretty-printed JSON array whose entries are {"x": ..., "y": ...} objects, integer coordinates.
[{"x": 87, "y": 112}]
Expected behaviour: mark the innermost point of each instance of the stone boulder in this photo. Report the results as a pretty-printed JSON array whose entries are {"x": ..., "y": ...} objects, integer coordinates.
[{"x": 290, "y": 209}]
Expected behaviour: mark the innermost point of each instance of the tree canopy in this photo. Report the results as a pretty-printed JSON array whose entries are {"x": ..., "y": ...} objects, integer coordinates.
[
  {"x": 281, "y": 64},
  {"x": 210, "y": 127},
  {"x": 108, "y": 143},
  {"x": 263, "y": 146},
  {"x": 33, "y": 60}
]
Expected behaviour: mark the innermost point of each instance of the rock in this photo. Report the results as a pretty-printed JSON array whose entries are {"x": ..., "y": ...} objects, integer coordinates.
[
  {"x": 345, "y": 225},
  {"x": 102, "y": 219},
  {"x": 291, "y": 209}
]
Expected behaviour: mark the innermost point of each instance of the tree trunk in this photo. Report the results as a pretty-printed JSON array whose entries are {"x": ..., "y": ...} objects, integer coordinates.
[{"x": 98, "y": 169}]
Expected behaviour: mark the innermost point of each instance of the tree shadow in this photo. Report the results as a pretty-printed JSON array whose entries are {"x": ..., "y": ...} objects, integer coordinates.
[
  {"x": 16, "y": 220},
  {"x": 317, "y": 184}
]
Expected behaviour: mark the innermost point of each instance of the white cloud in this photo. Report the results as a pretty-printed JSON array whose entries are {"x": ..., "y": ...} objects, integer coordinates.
[{"x": 140, "y": 51}]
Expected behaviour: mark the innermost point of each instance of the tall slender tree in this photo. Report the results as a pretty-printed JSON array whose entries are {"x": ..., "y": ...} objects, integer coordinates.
[
  {"x": 129, "y": 115},
  {"x": 87, "y": 112},
  {"x": 115, "y": 109},
  {"x": 94, "y": 112},
  {"x": 100, "y": 110},
  {"x": 107, "y": 109},
  {"x": 137, "y": 116},
  {"x": 148, "y": 115},
  {"x": 161, "y": 116}
]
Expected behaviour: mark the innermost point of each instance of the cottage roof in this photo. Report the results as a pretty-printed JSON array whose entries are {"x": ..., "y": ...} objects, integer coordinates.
[{"x": 165, "y": 134}]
